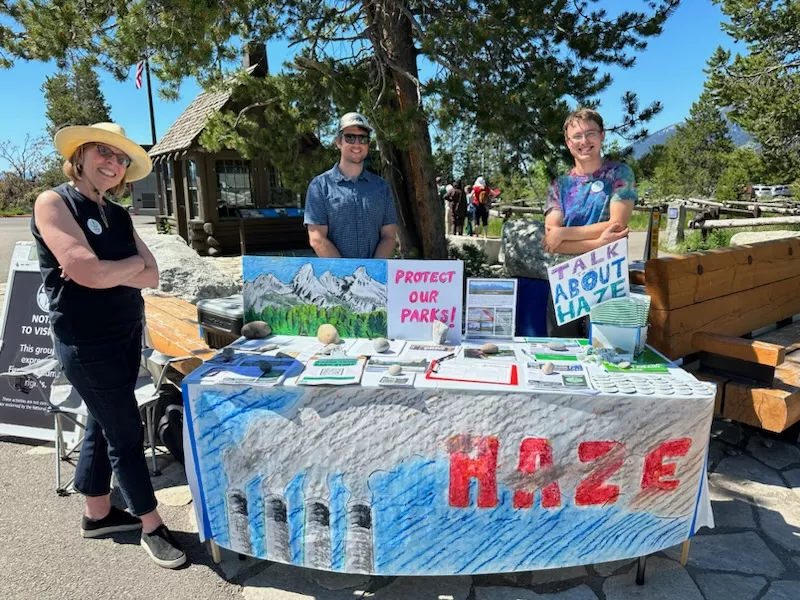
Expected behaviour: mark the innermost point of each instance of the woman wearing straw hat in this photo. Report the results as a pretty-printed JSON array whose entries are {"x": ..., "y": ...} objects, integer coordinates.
[{"x": 94, "y": 266}]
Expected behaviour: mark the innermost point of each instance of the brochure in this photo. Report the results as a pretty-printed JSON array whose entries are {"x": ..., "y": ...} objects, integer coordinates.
[{"x": 332, "y": 371}]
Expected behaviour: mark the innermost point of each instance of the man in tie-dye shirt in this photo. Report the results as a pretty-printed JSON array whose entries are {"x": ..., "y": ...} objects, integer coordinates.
[{"x": 591, "y": 205}]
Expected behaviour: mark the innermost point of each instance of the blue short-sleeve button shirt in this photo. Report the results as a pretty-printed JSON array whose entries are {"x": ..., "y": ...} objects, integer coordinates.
[{"x": 353, "y": 210}]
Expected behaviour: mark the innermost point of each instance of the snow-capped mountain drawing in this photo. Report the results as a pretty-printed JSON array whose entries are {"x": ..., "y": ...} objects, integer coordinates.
[{"x": 358, "y": 292}]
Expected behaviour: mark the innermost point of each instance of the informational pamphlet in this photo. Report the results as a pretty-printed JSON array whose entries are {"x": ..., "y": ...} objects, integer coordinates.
[
  {"x": 415, "y": 365},
  {"x": 491, "y": 308},
  {"x": 565, "y": 376},
  {"x": 505, "y": 353},
  {"x": 262, "y": 371},
  {"x": 428, "y": 351},
  {"x": 333, "y": 371},
  {"x": 404, "y": 380},
  {"x": 367, "y": 348}
]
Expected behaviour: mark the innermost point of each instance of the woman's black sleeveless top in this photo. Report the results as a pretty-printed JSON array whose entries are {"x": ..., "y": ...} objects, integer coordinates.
[{"x": 80, "y": 315}]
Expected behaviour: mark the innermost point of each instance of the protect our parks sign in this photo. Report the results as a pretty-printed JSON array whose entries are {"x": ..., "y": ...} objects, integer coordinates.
[
  {"x": 589, "y": 279},
  {"x": 421, "y": 292}
]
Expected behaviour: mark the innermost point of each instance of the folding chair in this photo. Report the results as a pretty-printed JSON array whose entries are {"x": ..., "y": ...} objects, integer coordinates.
[{"x": 64, "y": 402}]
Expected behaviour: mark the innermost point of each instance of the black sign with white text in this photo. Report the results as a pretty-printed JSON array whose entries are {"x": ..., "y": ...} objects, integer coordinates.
[{"x": 26, "y": 340}]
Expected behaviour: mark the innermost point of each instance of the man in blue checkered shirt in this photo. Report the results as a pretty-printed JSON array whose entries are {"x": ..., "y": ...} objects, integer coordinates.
[{"x": 349, "y": 211}]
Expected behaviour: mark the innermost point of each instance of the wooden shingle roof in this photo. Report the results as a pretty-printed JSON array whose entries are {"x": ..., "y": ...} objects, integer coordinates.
[{"x": 183, "y": 132}]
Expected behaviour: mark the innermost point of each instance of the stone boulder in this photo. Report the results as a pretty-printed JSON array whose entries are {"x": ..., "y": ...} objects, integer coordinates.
[
  {"x": 185, "y": 274},
  {"x": 751, "y": 237},
  {"x": 522, "y": 251}
]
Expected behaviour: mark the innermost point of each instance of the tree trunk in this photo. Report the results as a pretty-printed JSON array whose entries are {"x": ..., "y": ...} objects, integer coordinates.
[{"x": 411, "y": 169}]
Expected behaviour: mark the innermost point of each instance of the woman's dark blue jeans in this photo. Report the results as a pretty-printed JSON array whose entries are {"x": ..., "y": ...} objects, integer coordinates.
[{"x": 105, "y": 374}]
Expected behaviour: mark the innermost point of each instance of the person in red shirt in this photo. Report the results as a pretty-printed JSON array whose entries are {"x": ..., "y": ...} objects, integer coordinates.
[{"x": 482, "y": 199}]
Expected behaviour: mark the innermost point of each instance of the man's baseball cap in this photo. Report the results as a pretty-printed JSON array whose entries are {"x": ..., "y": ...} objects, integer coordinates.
[{"x": 354, "y": 119}]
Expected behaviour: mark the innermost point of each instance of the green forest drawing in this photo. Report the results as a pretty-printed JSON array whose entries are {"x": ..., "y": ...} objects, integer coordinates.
[{"x": 305, "y": 320}]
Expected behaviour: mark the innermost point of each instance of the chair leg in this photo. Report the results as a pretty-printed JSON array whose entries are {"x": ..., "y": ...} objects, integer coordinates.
[
  {"x": 641, "y": 565},
  {"x": 685, "y": 552},
  {"x": 59, "y": 444},
  {"x": 151, "y": 435},
  {"x": 216, "y": 555}
]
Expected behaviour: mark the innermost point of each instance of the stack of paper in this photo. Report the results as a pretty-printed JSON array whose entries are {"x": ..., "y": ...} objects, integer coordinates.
[{"x": 622, "y": 312}]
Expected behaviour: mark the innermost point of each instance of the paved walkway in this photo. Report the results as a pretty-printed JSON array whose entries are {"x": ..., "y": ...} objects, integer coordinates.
[{"x": 754, "y": 552}]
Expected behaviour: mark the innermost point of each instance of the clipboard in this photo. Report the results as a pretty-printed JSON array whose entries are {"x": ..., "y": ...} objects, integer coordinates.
[{"x": 433, "y": 373}]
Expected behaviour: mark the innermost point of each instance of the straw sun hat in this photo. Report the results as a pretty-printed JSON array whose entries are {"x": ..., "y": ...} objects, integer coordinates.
[{"x": 69, "y": 139}]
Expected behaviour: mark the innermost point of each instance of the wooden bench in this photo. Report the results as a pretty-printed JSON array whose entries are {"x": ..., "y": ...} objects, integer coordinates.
[
  {"x": 172, "y": 329},
  {"x": 701, "y": 303}
]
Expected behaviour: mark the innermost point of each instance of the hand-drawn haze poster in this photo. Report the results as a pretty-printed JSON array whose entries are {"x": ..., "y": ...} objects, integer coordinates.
[
  {"x": 297, "y": 295},
  {"x": 443, "y": 482}
]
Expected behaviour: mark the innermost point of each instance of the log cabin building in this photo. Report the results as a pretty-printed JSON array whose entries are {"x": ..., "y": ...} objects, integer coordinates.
[{"x": 219, "y": 202}]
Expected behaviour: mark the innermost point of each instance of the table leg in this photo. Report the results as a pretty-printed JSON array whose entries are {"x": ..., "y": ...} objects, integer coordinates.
[
  {"x": 641, "y": 564},
  {"x": 685, "y": 552},
  {"x": 215, "y": 553}
]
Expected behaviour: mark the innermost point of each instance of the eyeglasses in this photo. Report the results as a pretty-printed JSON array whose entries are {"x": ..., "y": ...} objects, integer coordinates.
[
  {"x": 589, "y": 136},
  {"x": 353, "y": 138},
  {"x": 105, "y": 152}
]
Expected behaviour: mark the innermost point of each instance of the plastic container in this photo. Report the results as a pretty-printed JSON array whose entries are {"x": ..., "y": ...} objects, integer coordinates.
[{"x": 220, "y": 320}]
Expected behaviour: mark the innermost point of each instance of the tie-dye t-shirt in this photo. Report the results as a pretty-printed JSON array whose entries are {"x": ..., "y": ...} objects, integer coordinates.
[{"x": 586, "y": 199}]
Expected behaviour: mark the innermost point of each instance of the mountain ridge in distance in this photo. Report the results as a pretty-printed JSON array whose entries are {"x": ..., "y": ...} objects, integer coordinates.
[{"x": 739, "y": 137}]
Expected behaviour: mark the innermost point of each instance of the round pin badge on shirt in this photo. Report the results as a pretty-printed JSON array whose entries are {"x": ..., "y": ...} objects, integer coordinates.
[
  {"x": 94, "y": 227},
  {"x": 597, "y": 186}
]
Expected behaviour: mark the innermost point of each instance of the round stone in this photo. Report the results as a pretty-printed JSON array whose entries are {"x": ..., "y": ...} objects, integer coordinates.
[
  {"x": 395, "y": 370},
  {"x": 381, "y": 344},
  {"x": 557, "y": 346},
  {"x": 265, "y": 366},
  {"x": 227, "y": 353},
  {"x": 255, "y": 330},
  {"x": 548, "y": 368},
  {"x": 490, "y": 349},
  {"x": 624, "y": 364},
  {"x": 327, "y": 334}
]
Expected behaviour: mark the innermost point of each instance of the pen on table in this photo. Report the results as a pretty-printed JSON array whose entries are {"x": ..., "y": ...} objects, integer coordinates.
[{"x": 435, "y": 362}]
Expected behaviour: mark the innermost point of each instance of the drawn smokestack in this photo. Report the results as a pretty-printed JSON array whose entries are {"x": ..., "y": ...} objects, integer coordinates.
[
  {"x": 317, "y": 548},
  {"x": 277, "y": 529},
  {"x": 238, "y": 522},
  {"x": 358, "y": 540}
]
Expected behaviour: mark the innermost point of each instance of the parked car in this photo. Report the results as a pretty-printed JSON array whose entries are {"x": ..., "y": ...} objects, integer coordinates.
[
  {"x": 760, "y": 190},
  {"x": 781, "y": 190}
]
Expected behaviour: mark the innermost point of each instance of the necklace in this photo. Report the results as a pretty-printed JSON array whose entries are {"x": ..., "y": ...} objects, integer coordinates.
[{"x": 103, "y": 216}]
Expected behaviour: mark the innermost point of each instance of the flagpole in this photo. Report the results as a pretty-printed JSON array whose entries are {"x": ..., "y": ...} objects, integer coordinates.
[{"x": 150, "y": 100}]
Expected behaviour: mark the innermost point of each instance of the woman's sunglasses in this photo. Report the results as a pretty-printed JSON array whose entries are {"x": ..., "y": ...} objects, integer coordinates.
[{"x": 105, "y": 152}]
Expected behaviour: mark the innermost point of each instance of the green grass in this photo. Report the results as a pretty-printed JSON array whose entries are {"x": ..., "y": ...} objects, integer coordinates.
[
  {"x": 718, "y": 238},
  {"x": 14, "y": 212},
  {"x": 640, "y": 221},
  {"x": 496, "y": 223}
]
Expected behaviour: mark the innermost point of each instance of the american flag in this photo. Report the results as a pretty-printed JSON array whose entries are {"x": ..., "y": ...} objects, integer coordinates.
[{"x": 139, "y": 71}]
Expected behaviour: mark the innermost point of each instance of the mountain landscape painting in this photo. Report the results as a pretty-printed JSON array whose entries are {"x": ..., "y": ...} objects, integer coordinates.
[{"x": 294, "y": 296}]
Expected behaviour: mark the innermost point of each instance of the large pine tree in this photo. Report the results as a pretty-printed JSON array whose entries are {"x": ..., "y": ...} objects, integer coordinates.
[
  {"x": 73, "y": 97},
  {"x": 762, "y": 86}
]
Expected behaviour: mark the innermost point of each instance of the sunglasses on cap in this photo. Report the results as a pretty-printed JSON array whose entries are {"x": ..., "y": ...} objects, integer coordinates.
[
  {"x": 106, "y": 153},
  {"x": 354, "y": 138}
]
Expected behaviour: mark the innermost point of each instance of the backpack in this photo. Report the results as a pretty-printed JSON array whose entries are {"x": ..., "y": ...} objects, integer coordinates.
[
  {"x": 170, "y": 430},
  {"x": 483, "y": 198}
]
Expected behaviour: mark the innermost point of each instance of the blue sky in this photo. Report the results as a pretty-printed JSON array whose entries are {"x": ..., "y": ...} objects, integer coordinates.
[{"x": 670, "y": 70}]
